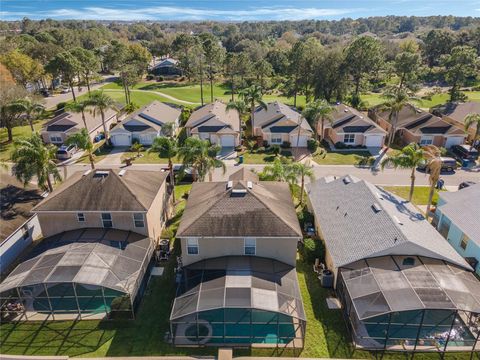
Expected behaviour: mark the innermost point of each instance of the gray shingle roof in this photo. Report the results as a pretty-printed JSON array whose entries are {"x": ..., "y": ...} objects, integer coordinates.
[
  {"x": 463, "y": 209},
  {"x": 353, "y": 229},
  {"x": 105, "y": 190},
  {"x": 265, "y": 210}
]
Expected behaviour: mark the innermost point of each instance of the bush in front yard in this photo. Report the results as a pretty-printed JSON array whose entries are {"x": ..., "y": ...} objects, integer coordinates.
[
  {"x": 312, "y": 145},
  {"x": 275, "y": 149},
  {"x": 313, "y": 249},
  {"x": 340, "y": 145},
  {"x": 286, "y": 145}
]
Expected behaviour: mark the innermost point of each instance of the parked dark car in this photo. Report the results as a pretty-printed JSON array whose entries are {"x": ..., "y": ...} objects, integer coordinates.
[
  {"x": 45, "y": 92},
  {"x": 180, "y": 176},
  {"x": 99, "y": 137},
  {"x": 65, "y": 152},
  {"x": 464, "y": 152},
  {"x": 448, "y": 164}
]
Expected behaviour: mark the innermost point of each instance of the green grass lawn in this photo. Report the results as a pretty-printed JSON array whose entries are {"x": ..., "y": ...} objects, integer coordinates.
[
  {"x": 374, "y": 99},
  {"x": 18, "y": 131},
  {"x": 100, "y": 153},
  {"x": 146, "y": 158},
  {"x": 340, "y": 158},
  {"x": 420, "y": 193},
  {"x": 191, "y": 93},
  {"x": 263, "y": 157}
]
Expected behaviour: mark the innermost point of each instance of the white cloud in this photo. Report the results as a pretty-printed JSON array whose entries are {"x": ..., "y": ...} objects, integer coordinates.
[{"x": 186, "y": 13}]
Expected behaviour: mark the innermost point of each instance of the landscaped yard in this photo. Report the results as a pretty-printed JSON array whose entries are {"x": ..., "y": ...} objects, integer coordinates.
[
  {"x": 18, "y": 131},
  {"x": 340, "y": 158},
  {"x": 100, "y": 153},
  {"x": 420, "y": 193},
  {"x": 147, "y": 158},
  {"x": 263, "y": 157}
]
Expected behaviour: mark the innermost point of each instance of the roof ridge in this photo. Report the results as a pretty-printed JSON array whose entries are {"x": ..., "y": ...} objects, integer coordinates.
[
  {"x": 269, "y": 208},
  {"x": 128, "y": 188}
]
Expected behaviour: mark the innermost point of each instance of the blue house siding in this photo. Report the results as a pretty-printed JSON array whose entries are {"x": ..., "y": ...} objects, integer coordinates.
[{"x": 454, "y": 237}]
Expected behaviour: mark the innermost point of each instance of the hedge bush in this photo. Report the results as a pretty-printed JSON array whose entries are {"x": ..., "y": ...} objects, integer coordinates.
[
  {"x": 313, "y": 249},
  {"x": 312, "y": 145}
]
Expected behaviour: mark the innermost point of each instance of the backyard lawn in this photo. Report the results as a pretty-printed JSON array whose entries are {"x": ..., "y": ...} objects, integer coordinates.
[
  {"x": 420, "y": 193},
  {"x": 340, "y": 158},
  {"x": 18, "y": 131}
]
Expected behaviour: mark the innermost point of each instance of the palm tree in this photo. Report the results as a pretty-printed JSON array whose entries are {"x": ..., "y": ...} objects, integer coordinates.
[
  {"x": 410, "y": 157},
  {"x": 79, "y": 107},
  {"x": 101, "y": 103},
  {"x": 82, "y": 141},
  {"x": 280, "y": 171},
  {"x": 434, "y": 167},
  {"x": 396, "y": 100},
  {"x": 319, "y": 110},
  {"x": 166, "y": 147},
  {"x": 211, "y": 162},
  {"x": 32, "y": 158},
  {"x": 168, "y": 129},
  {"x": 302, "y": 170},
  {"x": 29, "y": 107},
  {"x": 241, "y": 108},
  {"x": 473, "y": 119},
  {"x": 252, "y": 96},
  {"x": 137, "y": 147}
]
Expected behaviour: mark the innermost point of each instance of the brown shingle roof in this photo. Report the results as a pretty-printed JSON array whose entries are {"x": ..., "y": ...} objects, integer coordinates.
[
  {"x": 105, "y": 190},
  {"x": 244, "y": 174},
  {"x": 345, "y": 118},
  {"x": 262, "y": 211},
  {"x": 278, "y": 113},
  {"x": 458, "y": 111},
  {"x": 214, "y": 114}
]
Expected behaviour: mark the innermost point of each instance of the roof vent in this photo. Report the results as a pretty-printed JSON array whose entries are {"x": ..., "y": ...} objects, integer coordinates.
[
  {"x": 101, "y": 174},
  {"x": 87, "y": 172},
  {"x": 122, "y": 172},
  {"x": 380, "y": 196},
  {"x": 397, "y": 220},
  {"x": 376, "y": 207},
  {"x": 249, "y": 184},
  {"x": 347, "y": 180},
  {"x": 229, "y": 184},
  {"x": 361, "y": 116},
  {"x": 238, "y": 192},
  {"x": 346, "y": 110}
]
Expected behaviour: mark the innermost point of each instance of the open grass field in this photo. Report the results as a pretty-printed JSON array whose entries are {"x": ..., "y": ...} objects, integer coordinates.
[
  {"x": 340, "y": 158},
  {"x": 191, "y": 93},
  {"x": 374, "y": 99}
]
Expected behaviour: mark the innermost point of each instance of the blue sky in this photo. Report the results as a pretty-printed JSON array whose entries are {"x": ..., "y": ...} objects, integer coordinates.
[{"x": 230, "y": 10}]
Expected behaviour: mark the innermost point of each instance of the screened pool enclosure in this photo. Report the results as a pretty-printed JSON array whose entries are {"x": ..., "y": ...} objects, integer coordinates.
[
  {"x": 238, "y": 301},
  {"x": 405, "y": 303},
  {"x": 88, "y": 273}
]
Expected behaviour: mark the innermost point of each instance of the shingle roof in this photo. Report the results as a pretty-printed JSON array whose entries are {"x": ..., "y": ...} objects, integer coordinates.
[
  {"x": 214, "y": 114},
  {"x": 105, "y": 190},
  {"x": 463, "y": 209},
  {"x": 244, "y": 174},
  {"x": 213, "y": 209},
  {"x": 280, "y": 115},
  {"x": 359, "y": 220},
  {"x": 458, "y": 111},
  {"x": 349, "y": 120}
]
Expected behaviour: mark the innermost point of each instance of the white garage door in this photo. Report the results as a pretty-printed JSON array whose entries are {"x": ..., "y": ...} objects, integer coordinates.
[
  {"x": 147, "y": 139},
  {"x": 454, "y": 140},
  {"x": 227, "y": 140},
  {"x": 302, "y": 140},
  {"x": 374, "y": 141},
  {"x": 121, "y": 140}
]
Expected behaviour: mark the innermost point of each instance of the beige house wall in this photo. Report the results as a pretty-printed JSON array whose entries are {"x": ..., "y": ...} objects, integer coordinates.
[
  {"x": 281, "y": 249},
  {"x": 335, "y": 137},
  {"x": 461, "y": 125},
  {"x": 158, "y": 213},
  {"x": 54, "y": 223}
]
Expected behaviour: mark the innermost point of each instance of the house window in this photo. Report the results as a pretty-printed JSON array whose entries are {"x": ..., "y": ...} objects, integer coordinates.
[
  {"x": 192, "y": 246},
  {"x": 426, "y": 141},
  {"x": 56, "y": 139},
  {"x": 81, "y": 217},
  {"x": 138, "y": 220},
  {"x": 409, "y": 261},
  {"x": 276, "y": 140},
  {"x": 349, "y": 138},
  {"x": 250, "y": 246},
  {"x": 464, "y": 242},
  {"x": 444, "y": 228},
  {"x": 107, "y": 220}
]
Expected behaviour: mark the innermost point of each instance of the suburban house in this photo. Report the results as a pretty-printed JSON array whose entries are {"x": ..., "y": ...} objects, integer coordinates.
[
  {"x": 238, "y": 281},
  {"x": 351, "y": 127},
  {"x": 100, "y": 229},
  {"x": 418, "y": 126},
  {"x": 455, "y": 113},
  {"x": 215, "y": 123},
  {"x": 458, "y": 219},
  {"x": 279, "y": 124},
  {"x": 146, "y": 124},
  {"x": 401, "y": 285},
  {"x": 167, "y": 66},
  {"x": 57, "y": 130}
]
